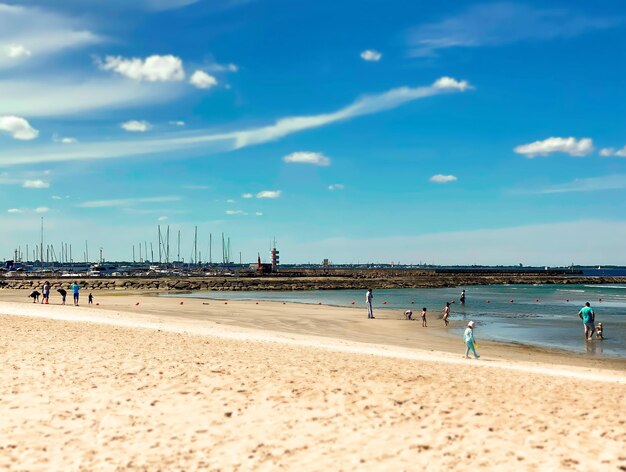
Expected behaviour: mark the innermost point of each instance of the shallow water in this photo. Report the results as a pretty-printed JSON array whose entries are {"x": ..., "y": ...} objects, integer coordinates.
[{"x": 538, "y": 315}]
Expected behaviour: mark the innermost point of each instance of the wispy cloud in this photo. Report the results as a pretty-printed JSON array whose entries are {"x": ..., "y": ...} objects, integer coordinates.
[
  {"x": 235, "y": 212},
  {"x": 42, "y": 210},
  {"x": 247, "y": 195},
  {"x": 225, "y": 141},
  {"x": 333, "y": 187},
  {"x": 69, "y": 96},
  {"x": 304, "y": 157},
  {"x": 28, "y": 33},
  {"x": 572, "y": 146},
  {"x": 121, "y": 202},
  {"x": 195, "y": 187},
  {"x": 443, "y": 179},
  {"x": 495, "y": 24},
  {"x": 591, "y": 184}
]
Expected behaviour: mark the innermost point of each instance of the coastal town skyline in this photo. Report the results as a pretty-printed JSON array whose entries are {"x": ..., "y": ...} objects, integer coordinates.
[{"x": 483, "y": 133}]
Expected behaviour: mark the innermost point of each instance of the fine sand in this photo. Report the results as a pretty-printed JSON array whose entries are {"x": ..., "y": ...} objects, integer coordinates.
[{"x": 241, "y": 386}]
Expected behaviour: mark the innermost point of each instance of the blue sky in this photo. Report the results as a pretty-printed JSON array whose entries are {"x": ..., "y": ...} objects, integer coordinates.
[{"x": 463, "y": 132}]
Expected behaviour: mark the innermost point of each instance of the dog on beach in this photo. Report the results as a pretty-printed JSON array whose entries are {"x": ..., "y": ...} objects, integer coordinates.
[{"x": 599, "y": 334}]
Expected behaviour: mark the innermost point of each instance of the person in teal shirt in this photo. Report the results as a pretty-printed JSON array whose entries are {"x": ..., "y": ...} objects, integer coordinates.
[
  {"x": 75, "y": 288},
  {"x": 588, "y": 316},
  {"x": 470, "y": 343}
]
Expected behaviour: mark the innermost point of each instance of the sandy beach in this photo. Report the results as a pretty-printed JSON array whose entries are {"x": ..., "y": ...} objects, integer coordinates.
[{"x": 161, "y": 385}]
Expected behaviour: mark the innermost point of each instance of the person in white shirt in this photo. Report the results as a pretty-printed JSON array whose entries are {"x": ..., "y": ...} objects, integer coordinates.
[{"x": 368, "y": 302}]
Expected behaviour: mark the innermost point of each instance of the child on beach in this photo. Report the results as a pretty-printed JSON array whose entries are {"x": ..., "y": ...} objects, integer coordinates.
[
  {"x": 90, "y": 298},
  {"x": 446, "y": 313},
  {"x": 424, "y": 317},
  {"x": 408, "y": 315},
  {"x": 63, "y": 294},
  {"x": 76, "y": 289},
  {"x": 470, "y": 342},
  {"x": 35, "y": 296}
]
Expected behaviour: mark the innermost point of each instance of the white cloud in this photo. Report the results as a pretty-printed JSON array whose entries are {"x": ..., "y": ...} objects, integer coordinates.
[
  {"x": 67, "y": 140},
  {"x": 230, "y": 200},
  {"x": 120, "y": 202},
  {"x": 26, "y": 31},
  {"x": 234, "y": 139},
  {"x": 18, "y": 128},
  {"x": 371, "y": 55},
  {"x": 35, "y": 184},
  {"x": 42, "y": 210},
  {"x": 162, "y": 218},
  {"x": 17, "y": 51},
  {"x": 572, "y": 146},
  {"x": 135, "y": 126},
  {"x": 247, "y": 195},
  {"x": 54, "y": 96},
  {"x": 442, "y": 179},
  {"x": 608, "y": 152},
  {"x": 259, "y": 213},
  {"x": 500, "y": 23},
  {"x": 14, "y": 210},
  {"x": 153, "y": 68},
  {"x": 333, "y": 187},
  {"x": 269, "y": 194},
  {"x": 56, "y": 197},
  {"x": 451, "y": 84},
  {"x": 235, "y": 212},
  {"x": 591, "y": 184},
  {"x": 314, "y": 158},
  {"x": 177, "y": 123},
  {"x": 202, "y": 80}
]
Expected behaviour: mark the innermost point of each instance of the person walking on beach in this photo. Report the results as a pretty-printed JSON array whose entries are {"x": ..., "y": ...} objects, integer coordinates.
[
  {"x": 63, "y": 294},
  {"x": 462, "y": 299},
  {"x": 470, "y": 342},
  {"x": 424, "y": 317},
  {"x": 46, "y": 293},
  {"x": 446, "y": 313},
  {"x": 90, "y": 298},
  {"x": 368, "y": 301},
  {"x": 588, "y": 316},
  {"x": 75, "y": 288}
]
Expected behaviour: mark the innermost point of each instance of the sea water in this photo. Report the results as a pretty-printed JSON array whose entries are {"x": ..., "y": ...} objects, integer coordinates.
[{"x": 537, "y": 315}]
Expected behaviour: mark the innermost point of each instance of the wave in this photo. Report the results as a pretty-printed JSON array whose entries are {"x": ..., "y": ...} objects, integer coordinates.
[
  {"x": 623, "y": 287},
  {"x": 570, "y": 290}
]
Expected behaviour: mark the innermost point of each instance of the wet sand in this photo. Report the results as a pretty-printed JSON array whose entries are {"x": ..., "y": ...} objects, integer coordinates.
[{"x": 241, "y": 386}]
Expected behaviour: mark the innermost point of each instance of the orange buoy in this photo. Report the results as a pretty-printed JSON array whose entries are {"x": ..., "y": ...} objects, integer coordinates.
[
  {"x": 225, "y": 303},
  {"x": 97, "y": 304},
  {"x": 136, "y": 304},
  {"x": 181, "y": 303},
  {"x": 257, "y": 303}
]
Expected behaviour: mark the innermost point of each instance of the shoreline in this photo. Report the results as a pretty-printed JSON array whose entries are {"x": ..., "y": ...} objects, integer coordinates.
[
  {"x": 322, "y": 323},
  {"x": 240, "y": 386}
]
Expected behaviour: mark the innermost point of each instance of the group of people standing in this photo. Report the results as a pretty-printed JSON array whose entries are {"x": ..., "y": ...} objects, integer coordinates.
[
  {"x": 45, "y": 294},
  {"x": 468, "y": 335}
]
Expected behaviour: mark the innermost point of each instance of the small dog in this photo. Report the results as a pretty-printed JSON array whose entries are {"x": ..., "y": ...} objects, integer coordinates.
[
  {"x": 408, "y": 315},
  {"x": 599, "y": 334}
]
